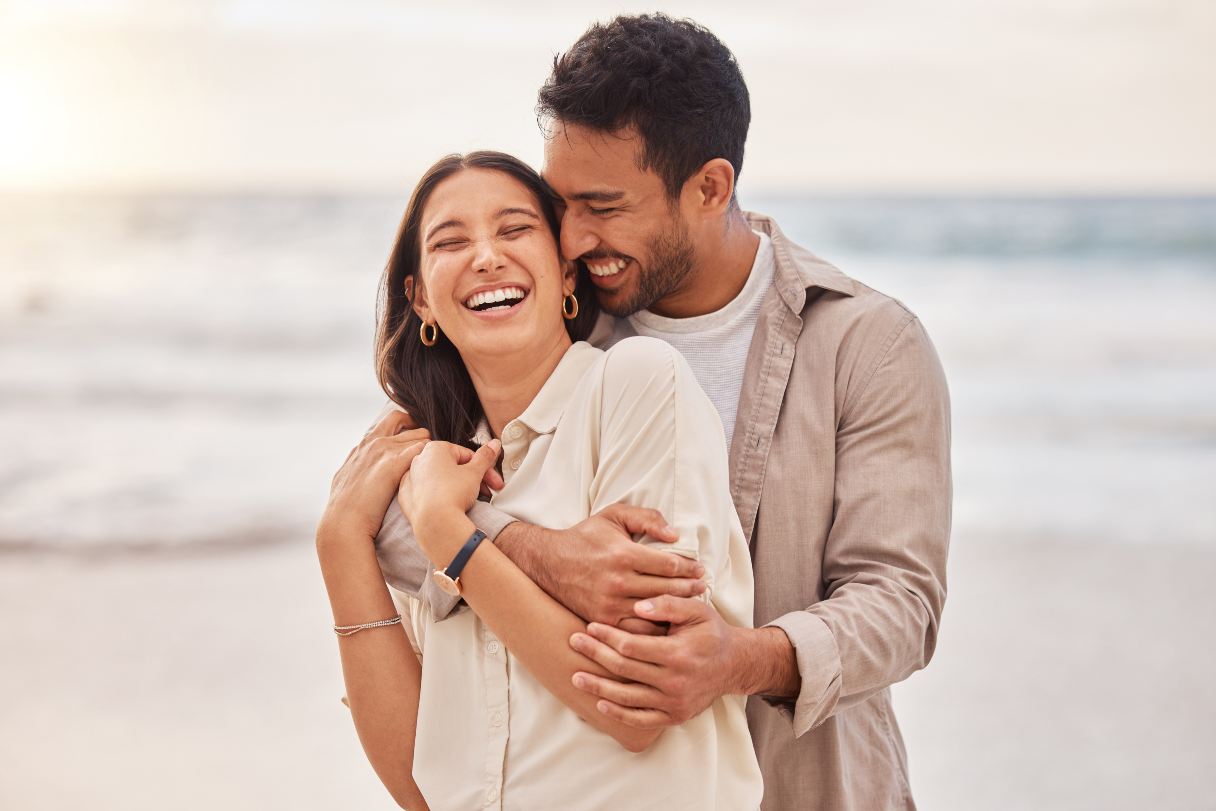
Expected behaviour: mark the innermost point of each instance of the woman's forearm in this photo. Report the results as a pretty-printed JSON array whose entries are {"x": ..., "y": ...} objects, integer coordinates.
[
  {"x": 534, "y": 627},
  {"x": 382, "y": 674}
]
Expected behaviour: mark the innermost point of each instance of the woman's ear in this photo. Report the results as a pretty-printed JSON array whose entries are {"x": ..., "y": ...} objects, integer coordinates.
[
  {"x": 569, "y": 277},
  {"x": 415, "y": 294}
]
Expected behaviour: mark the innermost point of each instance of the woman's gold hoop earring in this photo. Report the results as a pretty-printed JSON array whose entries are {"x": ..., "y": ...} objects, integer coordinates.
[
  {"x": 433, "y": 329},
  {"x": 570, "y": 307}
]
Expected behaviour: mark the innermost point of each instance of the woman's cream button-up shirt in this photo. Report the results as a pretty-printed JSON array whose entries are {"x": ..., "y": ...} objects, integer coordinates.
[{"x": 627, "y": 425}]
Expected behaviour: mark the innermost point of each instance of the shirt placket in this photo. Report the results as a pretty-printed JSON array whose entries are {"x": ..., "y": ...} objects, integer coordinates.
[
  {"x": 767, "y": 374},
  {"x": 515, "y": 444},
  {"x": 494, "y": 674}
]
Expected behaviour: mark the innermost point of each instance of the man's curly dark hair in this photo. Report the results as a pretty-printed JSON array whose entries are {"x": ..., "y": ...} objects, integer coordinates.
[{"x": 673, "y": 81}]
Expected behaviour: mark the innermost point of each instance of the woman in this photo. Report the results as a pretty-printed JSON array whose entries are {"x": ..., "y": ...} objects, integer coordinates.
[{"x": 481, "y": 333}]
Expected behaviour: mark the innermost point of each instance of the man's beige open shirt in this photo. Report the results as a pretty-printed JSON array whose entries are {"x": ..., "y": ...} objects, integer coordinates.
[{"x": 840, "y": 473}]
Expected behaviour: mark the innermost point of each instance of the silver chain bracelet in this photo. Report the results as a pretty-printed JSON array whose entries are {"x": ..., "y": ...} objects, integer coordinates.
[{"x": 348, "y": 630}]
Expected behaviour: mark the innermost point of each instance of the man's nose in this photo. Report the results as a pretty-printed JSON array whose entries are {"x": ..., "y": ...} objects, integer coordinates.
[{"x": 576, "y": 238}]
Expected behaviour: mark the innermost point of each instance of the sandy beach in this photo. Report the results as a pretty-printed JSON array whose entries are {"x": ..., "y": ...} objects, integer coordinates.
[
  {"x": 1068, "y": 675},
  {"x": 172, "y": 410}
]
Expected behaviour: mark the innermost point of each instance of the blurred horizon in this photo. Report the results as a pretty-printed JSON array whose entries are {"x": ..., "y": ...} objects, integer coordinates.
[{"x": 947, "y": 97}]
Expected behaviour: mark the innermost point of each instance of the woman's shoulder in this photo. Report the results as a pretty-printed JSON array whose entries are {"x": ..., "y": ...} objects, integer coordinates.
[
  {"x": 643, "y": 354},
  {"x": 643, "y": 370}
]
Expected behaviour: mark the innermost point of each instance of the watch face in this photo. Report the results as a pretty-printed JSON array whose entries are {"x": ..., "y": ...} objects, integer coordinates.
[{"x": 446, "y": 583}]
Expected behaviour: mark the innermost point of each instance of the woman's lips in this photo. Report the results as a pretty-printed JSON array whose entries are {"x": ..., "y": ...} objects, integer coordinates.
[{"x": 498, "y": 313}]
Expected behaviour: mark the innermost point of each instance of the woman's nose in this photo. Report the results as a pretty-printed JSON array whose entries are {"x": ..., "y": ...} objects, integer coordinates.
[{"x": 487, "y": 256}]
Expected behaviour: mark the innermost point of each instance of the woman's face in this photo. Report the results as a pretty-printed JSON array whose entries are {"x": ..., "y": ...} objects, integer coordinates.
[{"x": 490, "y": 274}]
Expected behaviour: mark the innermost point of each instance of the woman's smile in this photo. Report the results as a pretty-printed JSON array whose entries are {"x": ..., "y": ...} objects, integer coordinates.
[{"x": 495, "y": 302}]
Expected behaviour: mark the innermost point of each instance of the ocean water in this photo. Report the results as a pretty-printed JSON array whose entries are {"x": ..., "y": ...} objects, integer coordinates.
[{"x": 180, "y": 374}]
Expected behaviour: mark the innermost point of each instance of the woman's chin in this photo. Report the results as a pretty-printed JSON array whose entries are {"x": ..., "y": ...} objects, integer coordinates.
[{"x": 496, "y": 342}]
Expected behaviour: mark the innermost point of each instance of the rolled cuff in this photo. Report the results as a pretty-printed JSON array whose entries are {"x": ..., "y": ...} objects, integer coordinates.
[
  {"x": 818, "y": 667},
  {"x": 489, "y": 520}
]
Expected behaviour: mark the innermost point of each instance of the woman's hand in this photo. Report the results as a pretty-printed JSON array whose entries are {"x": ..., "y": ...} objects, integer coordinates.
[
  {"x": 364, "y": 486},
  {"x": 441, "y": 486}
]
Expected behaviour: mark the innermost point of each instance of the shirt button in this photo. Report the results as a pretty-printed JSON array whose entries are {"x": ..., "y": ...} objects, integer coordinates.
[
  {"x": 515, "y": 463},
  {"x": 514, "y": 431},
  {"x": 496, "y": 719},
  {"x": 492, "y": 648},
  {"x": 491, "y": 795}
]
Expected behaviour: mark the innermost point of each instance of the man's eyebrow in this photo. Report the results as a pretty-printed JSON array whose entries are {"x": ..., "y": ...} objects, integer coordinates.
[
  {"x": 440, "y": 227},
  {"x": 598, "y": 196}
]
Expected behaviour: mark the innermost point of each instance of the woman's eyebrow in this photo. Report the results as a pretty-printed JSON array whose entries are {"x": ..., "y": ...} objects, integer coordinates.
[
  {"x": 527, "y": 212},
  {"x": 441, "y": 226}
]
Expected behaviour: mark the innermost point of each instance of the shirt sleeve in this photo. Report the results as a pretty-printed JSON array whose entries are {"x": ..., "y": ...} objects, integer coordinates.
[
  {"x": 661, "y": 445},
  {"x": 884, "y": 563}
]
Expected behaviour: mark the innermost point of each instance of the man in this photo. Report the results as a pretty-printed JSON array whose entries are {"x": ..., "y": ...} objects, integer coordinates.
[{"x": 836, "y": 415}]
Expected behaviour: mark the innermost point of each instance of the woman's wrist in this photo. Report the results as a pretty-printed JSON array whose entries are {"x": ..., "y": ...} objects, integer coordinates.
[
  {"x": 441, "y": 533},
  {"x": 334, "y": 532}
]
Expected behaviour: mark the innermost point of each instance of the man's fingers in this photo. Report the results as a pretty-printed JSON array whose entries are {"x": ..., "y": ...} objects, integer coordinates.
[
  {"x": 613, "y": 662},
  {"x": 641, "y": 719},
  {"x": 409, "y": 454},
  {"x": 641, "y": 521},
  {"x": 644, "y": 586},
  {"x": 676, "y": 610},
  {"x": 654, "y": 650},
  {"x": 661, "y": 563},
  {"x": 637, "y": 625},
  {"x": 394, "y": 422},
  {"x": 638, "y": 696}
]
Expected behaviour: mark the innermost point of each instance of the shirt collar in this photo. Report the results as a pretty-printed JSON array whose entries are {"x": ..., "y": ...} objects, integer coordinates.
[
  {"x": 546, "y": 408},
  {"x": 796, "y": 268}
]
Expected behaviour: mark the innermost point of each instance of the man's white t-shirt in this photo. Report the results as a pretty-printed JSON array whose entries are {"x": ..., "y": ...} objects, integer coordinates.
[{"x": 715, "y": 344}]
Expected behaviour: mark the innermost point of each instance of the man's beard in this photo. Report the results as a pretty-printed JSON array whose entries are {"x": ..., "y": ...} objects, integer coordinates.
[{"x": 670, "y": 262}]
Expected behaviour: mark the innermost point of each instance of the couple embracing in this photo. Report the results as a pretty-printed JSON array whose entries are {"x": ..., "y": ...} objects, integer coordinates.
[{"x": 663, "y": 507}]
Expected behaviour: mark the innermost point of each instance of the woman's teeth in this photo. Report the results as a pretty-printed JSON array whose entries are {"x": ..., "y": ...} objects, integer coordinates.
[
  {"x": 608, "y": 269},
  {"x": 492, "y": 299}
]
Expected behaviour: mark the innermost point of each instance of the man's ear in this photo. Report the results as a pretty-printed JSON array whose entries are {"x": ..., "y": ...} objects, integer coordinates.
[{"x": 714, "y": 184}]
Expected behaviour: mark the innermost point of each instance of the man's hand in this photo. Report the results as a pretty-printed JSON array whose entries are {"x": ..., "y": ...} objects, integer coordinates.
[
  {"x": 597, "y": 570},
  {"x": 669, "y": 678},
  {"x": 363, "y": 487}
]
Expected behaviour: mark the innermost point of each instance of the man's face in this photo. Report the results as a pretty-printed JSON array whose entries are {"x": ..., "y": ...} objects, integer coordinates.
[{"x": 618, "y": 218}]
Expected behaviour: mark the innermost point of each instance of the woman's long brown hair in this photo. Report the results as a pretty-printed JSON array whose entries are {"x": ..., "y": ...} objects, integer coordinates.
[{"x": 431, "y": 382}]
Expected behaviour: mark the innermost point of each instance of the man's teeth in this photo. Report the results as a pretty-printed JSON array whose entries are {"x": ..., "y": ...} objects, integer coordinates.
[
  {"x": 510, "y": 295},
  {"x": 609, "y": 268}
]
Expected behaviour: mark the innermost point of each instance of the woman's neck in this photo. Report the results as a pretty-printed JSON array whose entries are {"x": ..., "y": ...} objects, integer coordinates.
[{"x": 507, "y": 387}]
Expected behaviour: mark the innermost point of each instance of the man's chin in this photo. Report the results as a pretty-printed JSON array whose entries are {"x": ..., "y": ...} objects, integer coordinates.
[{"x": 618, "y": 303}]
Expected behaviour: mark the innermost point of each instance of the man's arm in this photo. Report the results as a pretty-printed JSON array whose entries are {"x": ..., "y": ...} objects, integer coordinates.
[
  {"x": 885, "y": 560},
  {"x": 884, "y": 565}
]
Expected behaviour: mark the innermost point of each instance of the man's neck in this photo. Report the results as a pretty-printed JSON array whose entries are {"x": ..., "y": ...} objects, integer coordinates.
[
  {"x": 725, "y": 254},
  {"x": 506, "y": 386}
]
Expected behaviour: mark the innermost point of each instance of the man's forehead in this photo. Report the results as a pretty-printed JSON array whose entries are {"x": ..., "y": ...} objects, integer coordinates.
[{"x": 581, "y": 163}]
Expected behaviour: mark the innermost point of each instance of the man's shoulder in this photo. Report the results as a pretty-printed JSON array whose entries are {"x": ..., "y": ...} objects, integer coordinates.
[{"x": 828, "y": 298}]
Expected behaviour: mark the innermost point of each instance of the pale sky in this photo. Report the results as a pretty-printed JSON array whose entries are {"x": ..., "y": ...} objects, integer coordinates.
[{"x": 1017, "y": 96}]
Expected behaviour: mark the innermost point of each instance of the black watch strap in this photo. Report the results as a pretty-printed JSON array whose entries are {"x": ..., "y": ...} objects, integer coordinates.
[{"x": 462, "y": 557}]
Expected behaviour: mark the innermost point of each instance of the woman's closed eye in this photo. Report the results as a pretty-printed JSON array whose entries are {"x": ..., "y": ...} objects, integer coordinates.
[
  {"x": 449, "y": 244},
  {"x": 515, "y": 231}
]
